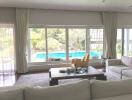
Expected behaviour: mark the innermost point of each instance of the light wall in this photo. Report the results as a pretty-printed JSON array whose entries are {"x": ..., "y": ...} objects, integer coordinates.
[
  {"x": 61, "y": 17},
  {"x": 57, "y": 17},
  {"x": 124, "y": 19},
  {"x": 7, "y": 15}
]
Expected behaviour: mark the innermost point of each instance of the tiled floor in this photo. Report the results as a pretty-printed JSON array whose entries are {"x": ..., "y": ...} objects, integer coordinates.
[{"x": 7, "y": 79}]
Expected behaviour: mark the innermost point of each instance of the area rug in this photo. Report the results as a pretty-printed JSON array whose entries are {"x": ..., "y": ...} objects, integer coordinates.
[{"x": 39, "y": 79}]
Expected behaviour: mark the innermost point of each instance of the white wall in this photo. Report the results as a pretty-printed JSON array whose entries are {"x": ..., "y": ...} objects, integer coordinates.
[
  {"x": 61, "y": 17},
  {"x": 124, "y": 19},
  {"x": 57, "y": 17},
  {"x": 7, "y": 15}
]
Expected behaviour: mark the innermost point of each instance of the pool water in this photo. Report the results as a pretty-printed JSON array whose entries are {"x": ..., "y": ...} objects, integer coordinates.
[{"x": 62, "y": 55}]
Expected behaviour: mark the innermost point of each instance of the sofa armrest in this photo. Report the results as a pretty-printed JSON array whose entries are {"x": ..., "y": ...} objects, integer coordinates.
[
  {"x": 129, "y": 68},
  {"x": 113, "y": 62}
]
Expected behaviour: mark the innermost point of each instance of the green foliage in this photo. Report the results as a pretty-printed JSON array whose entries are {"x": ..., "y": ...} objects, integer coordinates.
[
  {"x": 130, "y": 53},
  {"x": 56, "y": 38},
  {"x": 38, "y": 38},
  {"x": 119, "y": 48},
  {"x": 77, "y": 39},
  {"x": 98, "y": 48},
  {"x": 6, "y": 42},
  {"x": 57, "y": 34},
  {"x": 53, "y": 44}
]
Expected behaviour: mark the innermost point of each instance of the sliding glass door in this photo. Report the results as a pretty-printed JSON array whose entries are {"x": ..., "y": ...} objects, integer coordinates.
[
  {"x": 77, "y": 42},
  {"x": 56, "y": 41},
  {"x": 96, "y": 43},
  {"x": 128, "y": 42},
  {"x": 50, "y": 44},
  {"x": 6, "y": 49},
  {"x": 37, "y": 50}
]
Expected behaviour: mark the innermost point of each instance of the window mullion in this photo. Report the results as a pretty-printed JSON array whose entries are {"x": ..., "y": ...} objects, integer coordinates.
[
  {"x": 67, "y": 45},
  {"x": 122, "y": 41},
  {"x": 87, "y": 40},
  {"x": 46, "y": 44},
  {"x": 126, "y": 41},
  {"x": 29, "y": 46}
]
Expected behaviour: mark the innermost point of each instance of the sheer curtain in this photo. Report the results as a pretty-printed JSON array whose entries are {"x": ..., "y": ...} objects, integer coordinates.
[
  {"x": 7, "y": 61},
  {"x": 6, "y": 48},
  {"x": 110, "y": 34},
  {"x": 22, "y": 15}
]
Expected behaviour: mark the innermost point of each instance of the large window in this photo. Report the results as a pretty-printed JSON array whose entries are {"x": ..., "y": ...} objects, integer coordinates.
[
  {"x": 124, "y": 42},
  {"x": 56, "y": 44},
  {"x": 37, "y": 52},
  {"x": 63, "y": 44},
  {"x": 6, "y": 48},
  {"x": 77, "y": 38},
  {"x": 128, "y": 42},
  {"x": 119, "y": 43},
  {"x": 96, "y": 43}
]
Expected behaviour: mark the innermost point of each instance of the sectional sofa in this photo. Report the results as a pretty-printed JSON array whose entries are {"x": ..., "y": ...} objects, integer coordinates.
[
  {"x": 117, "y": 69},
  {"x": 82, "y": 90},
  {"x": 40, "y": 67}
]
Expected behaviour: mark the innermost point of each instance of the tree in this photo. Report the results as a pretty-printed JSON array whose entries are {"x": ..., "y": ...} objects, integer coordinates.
[{"x": 37, "y": 38}]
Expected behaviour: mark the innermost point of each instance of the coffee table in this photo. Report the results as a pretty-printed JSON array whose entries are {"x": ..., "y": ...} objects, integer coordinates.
[{"x": 56, "y": 74}]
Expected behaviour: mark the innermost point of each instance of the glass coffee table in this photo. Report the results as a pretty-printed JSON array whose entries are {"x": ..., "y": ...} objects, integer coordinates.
[{"x": 56, "y": 74}]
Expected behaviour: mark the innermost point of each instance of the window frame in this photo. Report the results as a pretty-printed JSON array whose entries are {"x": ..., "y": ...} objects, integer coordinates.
[
  {"x": 98, "y": 42},
  {"x": 126, "y": 52},
  {"x": 66, "y": 27},
  {"x": 12, "y": 68},
  {"x": 123, "y": 41}
]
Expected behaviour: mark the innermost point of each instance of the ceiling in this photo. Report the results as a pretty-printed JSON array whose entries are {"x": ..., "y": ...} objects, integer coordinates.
[{"x": 89, "y": 5}]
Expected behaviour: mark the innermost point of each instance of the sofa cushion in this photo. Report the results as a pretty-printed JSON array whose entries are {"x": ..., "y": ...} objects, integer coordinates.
[
  {"x": 127, "y": 61},
  {"x": 104, "y": 89},
  {"x": 75, "y": 91},
  {"x": 113, "y": 76},
  {"x": 11, "y": 93},
  {"x": 117, "y": 69},
  {"x": 127, "y": 73},
  {"x": 122, "y": 97}
]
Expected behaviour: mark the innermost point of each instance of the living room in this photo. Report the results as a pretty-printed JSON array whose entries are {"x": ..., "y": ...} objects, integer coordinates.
[{"x": 43, "y": 41}]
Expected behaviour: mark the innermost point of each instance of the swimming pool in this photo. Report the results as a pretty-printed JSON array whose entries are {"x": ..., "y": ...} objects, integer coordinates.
[{"x": 62, "y": 55}]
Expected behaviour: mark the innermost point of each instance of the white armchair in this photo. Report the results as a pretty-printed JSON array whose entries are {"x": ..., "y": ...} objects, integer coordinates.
[
  {"x": 113, "y": 62},
  {"x": 115, "y": 68}
]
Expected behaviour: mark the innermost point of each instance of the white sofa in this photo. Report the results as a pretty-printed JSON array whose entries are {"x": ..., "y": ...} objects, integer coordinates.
[
  {"x": 39, "y": 67},
  {"x": 82, "y": 90},
  {"x": 117, "y": 69}
]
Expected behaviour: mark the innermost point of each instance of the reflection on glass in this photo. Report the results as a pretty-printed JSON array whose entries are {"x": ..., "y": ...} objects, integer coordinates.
[
  {"x": 56, "y": 44},
  {"x": 77, "y": 38},
  {"x": 119, "y": 43},
  {"x": 128, "y": 42},
  {"x": 96, "y": 43},
  {"x": 37, "y": 45}
]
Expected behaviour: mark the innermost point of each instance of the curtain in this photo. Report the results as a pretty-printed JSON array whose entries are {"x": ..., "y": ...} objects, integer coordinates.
[
  {"x": 22, "y": 18},
  {"x": 110, "y": 34},
  {"x": 7, "y": 66},
  {"x": 7, "y": 49}
]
